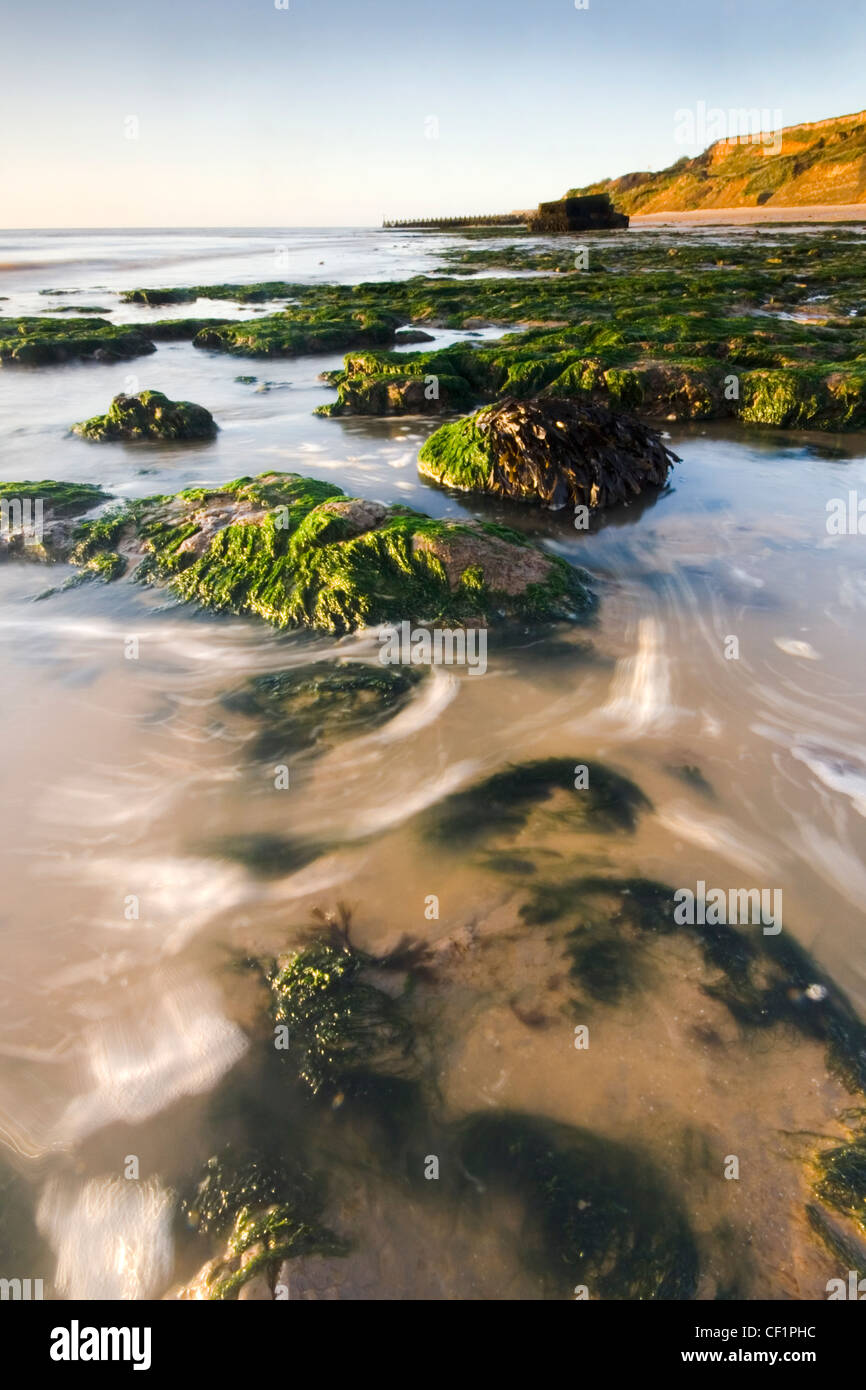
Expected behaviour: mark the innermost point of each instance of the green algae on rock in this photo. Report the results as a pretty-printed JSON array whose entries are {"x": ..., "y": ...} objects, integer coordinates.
[
  {"x": 149, "y": 415},
  {"x": 298, "y": 552},
  {"x": 179, "y": 330},
  {"x": 342, "y": 1026},
  {"x": 264, "y": 1209},
  {"x": 679, "y": 331},
  {"x": 389, "y": 394},
  {"x": 557, "y": 452},
  {"x": 501, "y": 804},
  {"x": 159, "y": 296},
  {"x": 305, "y": 706},
  {"x": 295, "y": 332},
  {"x": 597, "y": 1214},
  {"x": 36, "y": 342}
]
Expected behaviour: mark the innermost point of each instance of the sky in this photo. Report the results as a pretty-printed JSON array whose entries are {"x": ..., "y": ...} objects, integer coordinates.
[{"x": 241, "y": 113}]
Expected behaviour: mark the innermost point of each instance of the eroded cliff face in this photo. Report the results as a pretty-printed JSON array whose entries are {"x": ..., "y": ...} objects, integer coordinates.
[{"x": 821, "y": 162}]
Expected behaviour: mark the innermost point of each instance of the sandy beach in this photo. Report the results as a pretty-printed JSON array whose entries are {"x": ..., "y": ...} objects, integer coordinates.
[{"x": 720, "y": 217}]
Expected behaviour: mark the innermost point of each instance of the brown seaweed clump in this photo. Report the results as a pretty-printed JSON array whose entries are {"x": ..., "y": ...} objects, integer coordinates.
[{"x": 551, "y": 451}]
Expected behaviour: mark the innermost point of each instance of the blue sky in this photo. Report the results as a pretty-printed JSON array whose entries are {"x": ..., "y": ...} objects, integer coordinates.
[{"x": 339, "y": 112}]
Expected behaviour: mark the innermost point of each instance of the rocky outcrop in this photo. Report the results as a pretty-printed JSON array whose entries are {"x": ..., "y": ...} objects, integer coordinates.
[
  {"x": 149, "y": 416},
  {"x": 38, "y": 342},
  {"x": 298, "y": 552}
]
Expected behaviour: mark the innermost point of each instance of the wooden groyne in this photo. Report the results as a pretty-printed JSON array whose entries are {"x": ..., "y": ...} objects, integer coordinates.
[{"x": 432, "y": 224}]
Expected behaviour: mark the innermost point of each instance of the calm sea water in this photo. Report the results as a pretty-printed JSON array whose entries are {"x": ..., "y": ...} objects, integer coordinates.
[{"x": 121, "y": 777}]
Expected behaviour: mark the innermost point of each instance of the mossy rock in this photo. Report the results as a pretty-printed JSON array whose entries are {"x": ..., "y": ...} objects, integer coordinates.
[
  {"x": 155, "y": 297},
  {"x": 557, "y": 452},
  {"x": 180, "y": 330},
  {"x": 662, "y": 329},
  {"x": 298, "y": 552},
  {"x": 390, "y": 394},
  {"x": 149, "y": 416},
  {"x": 37, "y": 342},
  {"x": 306, "y": 706},
  {"x": 596, "y": 1213},
  {"x": 294, "y": 333}
]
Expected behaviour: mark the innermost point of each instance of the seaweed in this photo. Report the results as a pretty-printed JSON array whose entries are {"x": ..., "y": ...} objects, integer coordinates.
[
  {"x": 264, "y": 1208},
  {"x": 309, "y": 705},
  {"x": 702, "y": 329},
  {"x": 501, "y": 804},
  {"x": 342, "y": 1028},
  {"x": 597, "y": 1213},
  {"x": 556, "y": 452},
  {"x": 841, "y": 1181}
]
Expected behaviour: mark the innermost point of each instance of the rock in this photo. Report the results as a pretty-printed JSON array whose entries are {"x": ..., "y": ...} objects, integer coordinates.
[
  {"x": 557, "y": 452},
  {"x": 163, "y": 296},
  {"x": 298, "y": 552},
  {"x": 176, "y": 330},
  {"x": 412, "y": 335},
  {"x": 37, "y": 342},
  {"x": 295, "y": 331},
  {"x": 149, "y": 415},
  {"x": 393, "y": 394}
]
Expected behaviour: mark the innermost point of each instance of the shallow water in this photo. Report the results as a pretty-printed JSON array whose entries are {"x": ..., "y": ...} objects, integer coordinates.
[{"x": 125, "y": 778}]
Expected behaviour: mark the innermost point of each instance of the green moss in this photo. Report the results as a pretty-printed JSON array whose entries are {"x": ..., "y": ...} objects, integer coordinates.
[
  {"x": 624, "y": 387},
  {"x": 154, "y": 297},
  {"x": 297, "y": 552},
  {"x": 655, "y": 326},
  {"x": 36, "y": 342},
  {"x": 149, "y": 415},
  {"x": 181, "y": 330},
  {"x": 393, "y": 394},
  {"x": 294, "y": 332},
  {"x": 59, "y": 499},
  {"x": 597, "y": 1213}
]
